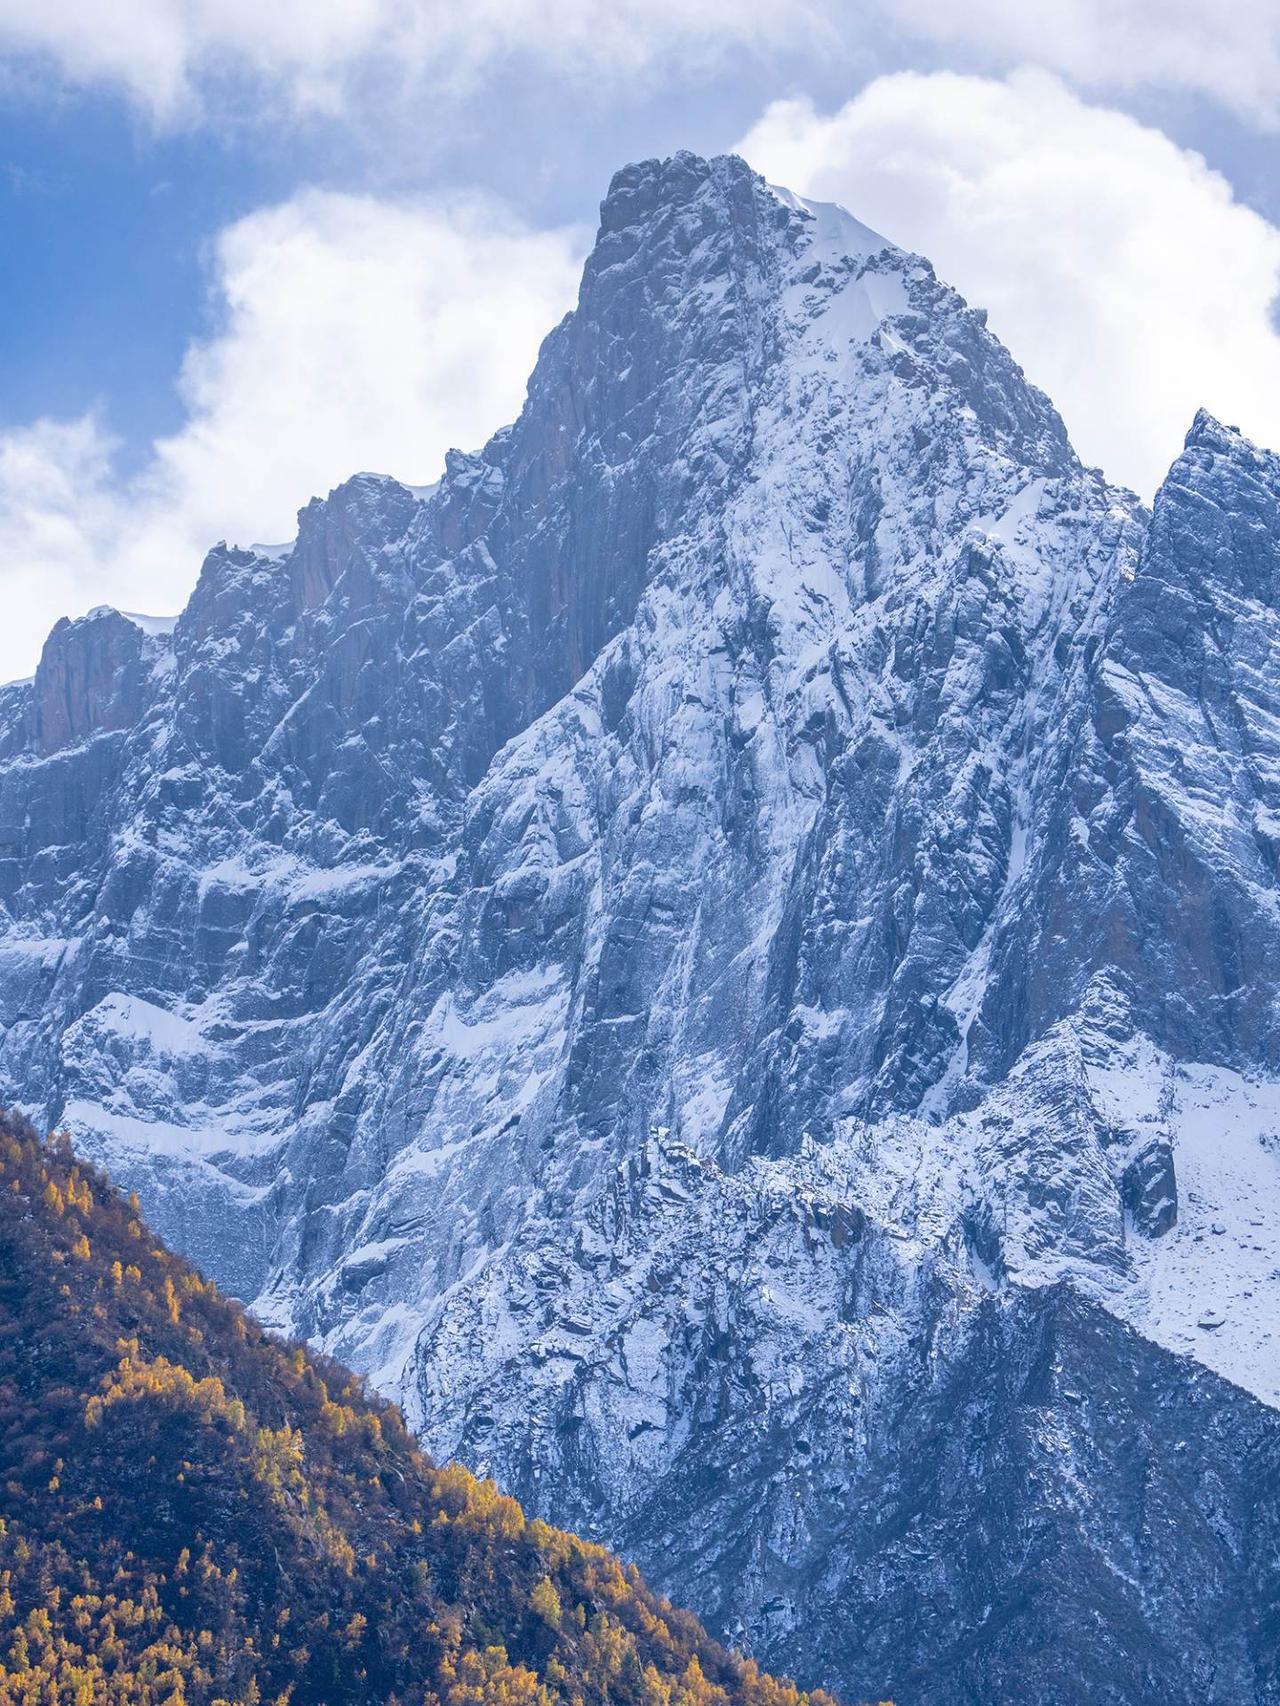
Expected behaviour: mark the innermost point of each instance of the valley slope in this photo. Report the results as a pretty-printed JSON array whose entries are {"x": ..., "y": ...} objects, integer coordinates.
[{"x": 289, "y": 1541}]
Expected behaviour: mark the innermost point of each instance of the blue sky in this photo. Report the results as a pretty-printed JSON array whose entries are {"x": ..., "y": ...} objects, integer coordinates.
[{"x": 249, "y": 250}]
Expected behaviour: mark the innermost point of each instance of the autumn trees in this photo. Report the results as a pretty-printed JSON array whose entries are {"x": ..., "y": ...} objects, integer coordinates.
[{"x": 192, "y": 1512}]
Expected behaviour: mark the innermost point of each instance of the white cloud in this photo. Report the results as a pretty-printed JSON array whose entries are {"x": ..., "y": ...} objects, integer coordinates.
[
  {"x": 357, "y": 334},
  {"x": 54, "y": 481},
  {"x": 1116, "y": 266},
  {"x": 166, "y": 54},
  {"x": 1230, "y": 51}
]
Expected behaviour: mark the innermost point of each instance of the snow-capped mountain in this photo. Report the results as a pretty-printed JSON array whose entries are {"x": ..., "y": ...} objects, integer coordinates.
[{"x": 726, "y": 955}]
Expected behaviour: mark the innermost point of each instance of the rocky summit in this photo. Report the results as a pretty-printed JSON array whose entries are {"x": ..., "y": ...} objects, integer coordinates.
[{"x": 728, "y": 956}]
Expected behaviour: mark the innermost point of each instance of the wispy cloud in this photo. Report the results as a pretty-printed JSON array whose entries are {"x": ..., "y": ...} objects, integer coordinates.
[{"x": 167, "y": 55}]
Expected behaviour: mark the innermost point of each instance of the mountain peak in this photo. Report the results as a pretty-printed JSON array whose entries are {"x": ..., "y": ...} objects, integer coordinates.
[
  {"x": 681, "y": 179},
  {"x": 1215, "y": 439},
  {"x": 674, "y": 177},
  {"x": 1216, "y": 520},
  {"x": 1207, "y": 431},
  {"x": 89, "y": 679}
]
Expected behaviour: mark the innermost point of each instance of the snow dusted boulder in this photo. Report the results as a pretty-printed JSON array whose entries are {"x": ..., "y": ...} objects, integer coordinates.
[{"x": 1149, "y": 1187}]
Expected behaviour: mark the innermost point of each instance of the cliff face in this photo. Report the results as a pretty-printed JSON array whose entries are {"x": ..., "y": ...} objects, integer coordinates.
[{"x": 724, "y": 954}]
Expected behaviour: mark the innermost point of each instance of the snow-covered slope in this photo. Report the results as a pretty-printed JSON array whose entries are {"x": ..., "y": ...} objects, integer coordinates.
[{"x": 724, "y": 953}]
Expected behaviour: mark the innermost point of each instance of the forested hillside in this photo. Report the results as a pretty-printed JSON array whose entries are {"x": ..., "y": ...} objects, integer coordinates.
[{"x": 192, "y": 1511}]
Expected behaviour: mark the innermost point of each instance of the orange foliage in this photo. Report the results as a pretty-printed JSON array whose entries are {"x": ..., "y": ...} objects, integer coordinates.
[{"x": 195, "y": 1514}]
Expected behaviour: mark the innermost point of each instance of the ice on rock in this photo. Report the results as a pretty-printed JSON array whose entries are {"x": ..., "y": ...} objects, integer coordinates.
[{"x": 725, "y": 953}]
